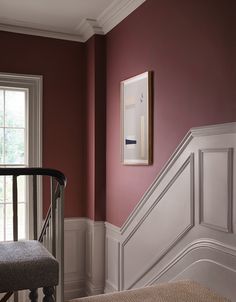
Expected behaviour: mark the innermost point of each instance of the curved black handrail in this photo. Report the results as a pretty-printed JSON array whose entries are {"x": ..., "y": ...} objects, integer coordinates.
[{"x": 35, "y": 171}]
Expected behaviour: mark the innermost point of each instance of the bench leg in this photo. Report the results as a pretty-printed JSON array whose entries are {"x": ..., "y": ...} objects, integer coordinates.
[
  {"x": 48, "y": 294},
  {"x": 33, "y": 295}
]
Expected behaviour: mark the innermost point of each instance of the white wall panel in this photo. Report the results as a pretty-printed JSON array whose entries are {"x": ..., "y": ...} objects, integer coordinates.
[
  {"x": 185, "y": 224},
  {"x": 216, "y": 188},
  {"x": 74, "y": 257},
  {"x": 95, "y": 257},
  {"x": 84, "y": 257},
  {"x": 169, "y": 218},
  {"x": 112, "y": 253}
]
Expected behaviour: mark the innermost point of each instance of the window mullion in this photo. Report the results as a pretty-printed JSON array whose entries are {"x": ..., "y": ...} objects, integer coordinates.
[{"x": 4, "y": 113}]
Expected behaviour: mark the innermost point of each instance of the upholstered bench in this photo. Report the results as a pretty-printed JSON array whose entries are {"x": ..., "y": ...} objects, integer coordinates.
[{"x": 27, "y": 265}]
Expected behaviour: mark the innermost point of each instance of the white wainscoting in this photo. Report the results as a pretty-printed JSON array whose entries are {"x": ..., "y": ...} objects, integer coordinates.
[
  {"x": 185, "y": 224},
  {"x": 75, "y": 257},
  {"x": 95, "y": 257},
  {"x": 216, "y": 176},
  {"x": 112, "y": 257},
  {"x": 84, "y": 257}
]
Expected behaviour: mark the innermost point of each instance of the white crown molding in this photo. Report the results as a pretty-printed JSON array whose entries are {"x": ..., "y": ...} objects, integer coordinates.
[
  {"x": 89, "y": 27},
  {"x": 117, "y": 12},
  {"x": 110, "y": 17},
  {"x": 41, "y": 33}
]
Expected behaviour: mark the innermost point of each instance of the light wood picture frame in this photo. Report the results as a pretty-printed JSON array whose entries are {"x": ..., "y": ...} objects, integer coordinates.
[{"x": 136, "y": 120}]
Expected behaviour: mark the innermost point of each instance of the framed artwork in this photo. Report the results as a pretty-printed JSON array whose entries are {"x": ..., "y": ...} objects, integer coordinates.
[{"x": 136, "y": 120}]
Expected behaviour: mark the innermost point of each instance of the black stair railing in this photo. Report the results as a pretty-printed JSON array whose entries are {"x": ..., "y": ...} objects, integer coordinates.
[{"x": 52, "y": 232}]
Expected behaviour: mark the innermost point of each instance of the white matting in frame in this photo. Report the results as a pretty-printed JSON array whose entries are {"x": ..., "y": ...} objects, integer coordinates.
[{"x": 136, "y": 120}]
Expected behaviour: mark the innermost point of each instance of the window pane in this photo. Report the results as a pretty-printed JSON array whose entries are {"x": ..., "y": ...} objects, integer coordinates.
[
  {"x": 14, "y": 108},
  {"x": 1, "y": 189},
  {"x": 1, "y": 222},
  {"x": 14, "y": 146},
  {"x": 21, "y": 221},
  {"x": 1, "y": 108},
  {"x": 1, "y": 145},
  {"x": 8, "y": 189},
  {"x": 9, "y": 226},
  {"x": 21, "y": 186}
]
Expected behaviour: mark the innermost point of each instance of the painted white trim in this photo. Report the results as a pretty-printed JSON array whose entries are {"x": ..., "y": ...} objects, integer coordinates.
[
  {"x": 106, "y": 21},
  {"x": 182, "y": 146},
  {"x": 41, "y": 33},
  {"x": 112, "y": 258},
  {"x": 196, "y": 244},
  {"x": 229, "y": 202},
  {"x": 34, "y": 84},
  {"x": 146, "y": 214},
  {"x": 130, "y": 265},
  {"x": 217, "y": 129},
  {"x": 74, "y": 279},
  {"x": 204, "y": 261},
  {"x": 95, "y": 257},
  {"x": 117, "y": 12},
  {"x": 113, "y": 228},
  {"x": 84, "y": 257},
  {"x": 89, "y": 27}
]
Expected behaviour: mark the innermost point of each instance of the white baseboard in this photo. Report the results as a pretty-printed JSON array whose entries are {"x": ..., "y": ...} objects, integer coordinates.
[{"x": 74, "y": 289}]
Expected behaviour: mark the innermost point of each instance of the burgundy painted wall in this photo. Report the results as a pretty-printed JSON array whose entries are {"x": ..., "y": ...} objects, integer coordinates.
[
  {"x": 61, "y": 64},
  {"x": 96, "y": 127},
  {"x": 188, "y": 46}
]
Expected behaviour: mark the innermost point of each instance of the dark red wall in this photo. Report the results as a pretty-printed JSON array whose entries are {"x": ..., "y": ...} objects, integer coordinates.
[
  {"x": 96, "y": 127},
  {"x": 188, "y": 44},
  {"x": 61, "y": 64}
]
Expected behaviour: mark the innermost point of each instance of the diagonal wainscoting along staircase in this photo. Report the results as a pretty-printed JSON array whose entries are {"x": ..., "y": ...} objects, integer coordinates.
[{"x": 185, "y": 225}]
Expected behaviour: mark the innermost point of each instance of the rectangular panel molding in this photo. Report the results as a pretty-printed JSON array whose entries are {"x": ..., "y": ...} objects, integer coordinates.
[
  {"x": 216, "y": 188},
  {"x": 84, "y": 257},
  {"x": 185, "y": 222},
  {"x": 112, "y": 258},
  {"x": 169, "y": 218}
]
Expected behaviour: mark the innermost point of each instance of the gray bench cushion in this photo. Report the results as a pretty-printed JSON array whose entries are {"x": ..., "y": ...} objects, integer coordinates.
[{"x": 26, "y": 265}]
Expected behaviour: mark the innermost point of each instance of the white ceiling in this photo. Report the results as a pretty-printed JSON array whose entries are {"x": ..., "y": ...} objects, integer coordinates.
[{"x": 74, "y": 20}]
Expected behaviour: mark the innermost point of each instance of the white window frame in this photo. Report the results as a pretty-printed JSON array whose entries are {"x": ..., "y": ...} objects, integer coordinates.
[{"x": 34, "y": 84}]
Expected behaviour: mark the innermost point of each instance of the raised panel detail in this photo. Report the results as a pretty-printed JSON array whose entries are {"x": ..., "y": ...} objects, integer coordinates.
[
  {"x": 165, "y": 223},
  {"x": 88, "y": 249},
  {"x": 74, "y": 257},
  {"x": 215, "y": 171},
  {"x": 112, "y": 263},
  {"x": 74, "y": 252}
]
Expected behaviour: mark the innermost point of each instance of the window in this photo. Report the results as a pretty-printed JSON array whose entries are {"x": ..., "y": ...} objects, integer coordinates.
[{"x": 20, "y": 146}]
